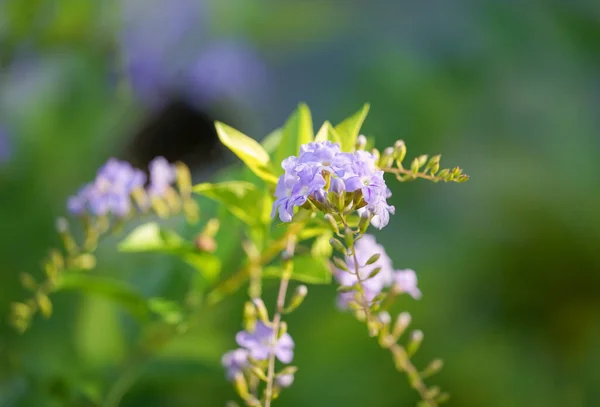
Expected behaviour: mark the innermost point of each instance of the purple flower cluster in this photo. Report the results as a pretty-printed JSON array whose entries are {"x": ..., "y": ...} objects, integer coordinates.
[
  {"x": 306, "y": 176},
  {"x": 111, "y": 190},
  {"x": 401, "y": 281},
  {"x": 259, "y": 345}
]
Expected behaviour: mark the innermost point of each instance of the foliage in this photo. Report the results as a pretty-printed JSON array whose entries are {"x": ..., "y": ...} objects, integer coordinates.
[{"x": 331, "y": 217}]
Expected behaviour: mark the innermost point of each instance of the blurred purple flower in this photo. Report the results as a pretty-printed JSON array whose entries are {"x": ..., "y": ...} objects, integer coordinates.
[
  {"x": 405, "y": 281},
  {"x": 110, "y": 192},
  {"x": 235, "y": 361},
  {"x": 401, "y": 281},
  {"x": 5, "y": 147},
  {"x": 366, "y": 247},
  {"x": 285, "y": 380},
  {"x": 166, "y": 50},
  {"x": 260, "y": 343},
  {"x": 162, "y": 174}
]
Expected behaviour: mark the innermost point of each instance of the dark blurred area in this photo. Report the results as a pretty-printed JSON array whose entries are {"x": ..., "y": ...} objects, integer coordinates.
[{"x": 509, "y": 263}]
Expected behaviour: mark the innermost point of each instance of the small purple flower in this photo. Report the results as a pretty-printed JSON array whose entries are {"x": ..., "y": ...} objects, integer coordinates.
[
  {"x": 366, "y": 247},
  {"x": 235, "y": 362},
  {"x": 162, "y": 175},
  {"x": 110, "y": 192},
  {"x": 260, "y": 343},
  {"x": 405, "y": 281},
  {"x": 285, "y": 380},
  {"x": 402, "y": 281}
]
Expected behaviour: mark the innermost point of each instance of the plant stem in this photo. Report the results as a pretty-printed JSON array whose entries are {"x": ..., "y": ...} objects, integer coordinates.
[
  {"x": 411, "y": 371},
  {"x": 285, "y": 279},
  {"x": 408, "y": 172}
]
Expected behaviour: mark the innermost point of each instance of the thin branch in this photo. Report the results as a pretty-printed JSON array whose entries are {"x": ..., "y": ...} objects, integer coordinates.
[{"x": 285, "y": 279}]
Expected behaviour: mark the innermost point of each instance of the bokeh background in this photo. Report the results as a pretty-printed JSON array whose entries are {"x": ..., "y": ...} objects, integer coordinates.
[{"x": 509, "y": 262}]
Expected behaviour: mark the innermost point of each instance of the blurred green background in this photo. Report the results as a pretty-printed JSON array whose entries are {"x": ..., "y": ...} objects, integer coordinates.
[{"x": 509, "y": 263}]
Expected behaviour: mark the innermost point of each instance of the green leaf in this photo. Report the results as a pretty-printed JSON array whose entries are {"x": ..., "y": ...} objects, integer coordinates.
[
  {"x": 150, "y": 238},
  {"x": 321, "y": 246},
  {"x": 271, "y": 142},
  {"x": 242, "y": 199},
  {"x": 112, "y": 289},
  {"x": 297, "y": 130},
  {"x": 170, "y": 311},
  {"x": 327, "y": 132},
  {"x": 307, "y": 269},
  {"x": 248, "y": 150},
  {"x": 350, "y": 128}
]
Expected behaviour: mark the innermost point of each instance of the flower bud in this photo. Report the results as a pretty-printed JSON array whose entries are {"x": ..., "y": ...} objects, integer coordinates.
[
  {"x": 332, "y": 223},
  {"x": 261, "y": 310},
  {"x": 414, "y": 166},
  {"x": 337, "y": 245},
  {"x": 284, "y": 380},
  {"x": 387, "y": 158},
  {"x": 416, "y": 337},
  {"x": 341, "y": 264},
  {"x": 258, "y": 372},
  {"x": 28, "y": 281},
  {"x": 434, "y": 367},
  {"x": 365, "y": 220},
  {"x": 361, "y": 142},
  {"x": 205, "y": 244},
  {"x": 297, "y": 298},
  {"x": 402, "y": 322},
  {"x": 385, "y": 318},
  {"x": 249, "y": 316},
  {"x": 373, "y": 259},
  {"x": 374, "y": 272},
  {"x": 241, "y": 386},
  {"x": 184, "y": 179},
  {"x": 44, "y": 303},
  {"x": 349, "y": 237},
  {"x": 399, "y": 151},
  {"x": 433, "y": 392}
]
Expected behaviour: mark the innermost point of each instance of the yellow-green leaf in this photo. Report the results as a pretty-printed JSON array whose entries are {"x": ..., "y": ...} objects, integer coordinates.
[
  {"x": 327, "y": 132},
  {"x": 350, "y": 128},
  {"x": 248, "y": 150},
  {"x": 298, "y": 130},
  {"x": 239, "y": 197},
  {"x": 307, "y": 269}
]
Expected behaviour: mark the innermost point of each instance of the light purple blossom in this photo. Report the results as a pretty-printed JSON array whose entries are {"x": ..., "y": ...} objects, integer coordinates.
[
  {"x": 304, "y": 179},
  {"x": 235, "y": 362},
  {"x": 110, "y": 192},
  {"x": 405, "y": 281},
  {"x": 366, "y": 247},
  {"x": 162, "y": 174},
  {"x": 402, "y": 280},
  {"x": 260, "y": 343},
  {"x": 285, "y": 380}
]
